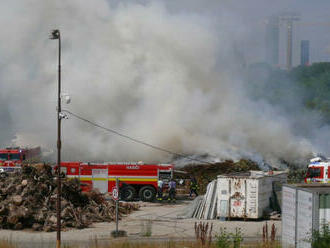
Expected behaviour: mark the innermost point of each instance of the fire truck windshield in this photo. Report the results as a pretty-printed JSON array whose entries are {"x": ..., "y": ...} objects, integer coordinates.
[
  {"x": 3, "y": 156},
  {"x": 14, "y": 156},
  {"x": 165, "y": 176},
  {"x": 314, "y": 172}
]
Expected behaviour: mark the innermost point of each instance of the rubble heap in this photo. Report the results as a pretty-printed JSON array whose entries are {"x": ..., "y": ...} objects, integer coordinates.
[
  {"x": 205, "y": 173},
  {"x": 28, "y": 200}
]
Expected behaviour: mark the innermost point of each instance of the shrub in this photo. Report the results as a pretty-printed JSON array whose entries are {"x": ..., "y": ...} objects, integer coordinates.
[
  {"x": 321, "y": 238},
  {"x": 225, "y": 239}
]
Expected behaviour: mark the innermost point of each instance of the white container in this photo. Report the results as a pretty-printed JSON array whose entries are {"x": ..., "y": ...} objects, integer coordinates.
[
  {"x": 305, "y": 207},
  {"x": 246, "y": 195}
]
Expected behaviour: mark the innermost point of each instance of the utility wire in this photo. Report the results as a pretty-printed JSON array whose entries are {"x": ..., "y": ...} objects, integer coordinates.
[{"x": 133, "y": 139}]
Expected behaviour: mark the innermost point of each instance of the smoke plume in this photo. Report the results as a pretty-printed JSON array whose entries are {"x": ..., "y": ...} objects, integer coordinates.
[{"x": 169, "y": 78}]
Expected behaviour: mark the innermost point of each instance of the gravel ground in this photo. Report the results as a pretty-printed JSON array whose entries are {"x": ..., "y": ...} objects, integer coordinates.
[{"x": 163, "y": 221}]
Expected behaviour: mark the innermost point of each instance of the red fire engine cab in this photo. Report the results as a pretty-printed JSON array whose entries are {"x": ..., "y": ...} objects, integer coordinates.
[
  {"x": 135, "y": 179},
  {"x": 318, "y": 170},
  {"x": 11, "y": 158}
]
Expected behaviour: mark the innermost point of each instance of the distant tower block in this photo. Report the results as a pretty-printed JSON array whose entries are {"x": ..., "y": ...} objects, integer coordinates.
[
  {"x": 289, "y": 18},
  {"x": 304, "y": 52},
  {"x": 272, "y": 40}
]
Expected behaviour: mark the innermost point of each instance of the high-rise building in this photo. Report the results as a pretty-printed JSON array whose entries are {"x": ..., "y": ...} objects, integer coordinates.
[
  {"x": 304, "y": 52},
  {"x": 272, "y": 40},
  {"x": 289, "y": 18}
]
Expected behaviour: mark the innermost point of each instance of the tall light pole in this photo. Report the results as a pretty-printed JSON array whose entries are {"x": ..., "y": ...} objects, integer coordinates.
[{"x": 55, "y": 35}]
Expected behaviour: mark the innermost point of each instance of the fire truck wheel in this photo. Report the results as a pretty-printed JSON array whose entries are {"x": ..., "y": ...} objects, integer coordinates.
[
  {"x": 129, "y": 193},
  {"x": 147, "y": 193}
]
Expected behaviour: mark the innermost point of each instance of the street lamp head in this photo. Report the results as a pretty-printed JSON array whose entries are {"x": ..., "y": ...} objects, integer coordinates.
[
  {"x": 55, "y": 34},
  {"x": 63, "y": 116}
]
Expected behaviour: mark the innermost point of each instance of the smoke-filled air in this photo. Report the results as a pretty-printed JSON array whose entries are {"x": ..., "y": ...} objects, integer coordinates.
[{"x": 169, "y": 78}]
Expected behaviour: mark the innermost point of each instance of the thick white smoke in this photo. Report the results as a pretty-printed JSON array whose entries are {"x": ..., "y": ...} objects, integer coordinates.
[{"x": 154, "y": 75}]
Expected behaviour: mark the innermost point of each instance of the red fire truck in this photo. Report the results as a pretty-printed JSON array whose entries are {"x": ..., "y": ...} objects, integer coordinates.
[
  {"x": 12, "y": 158},
  {"x": 136, "y": 179},
  {"x": 318, "y": 170}
]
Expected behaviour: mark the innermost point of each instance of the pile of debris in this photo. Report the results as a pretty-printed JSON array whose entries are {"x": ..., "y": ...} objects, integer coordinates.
[
  {"x": 205, "y": 173},
  {"x": 296, "y": 174},
  {"x": 28, "y": 200}
]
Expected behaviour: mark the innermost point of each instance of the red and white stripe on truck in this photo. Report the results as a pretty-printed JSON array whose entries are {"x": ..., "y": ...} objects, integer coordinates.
[
  {"x": 136, "y": 179},
  {"x": 318, "y": 171}
]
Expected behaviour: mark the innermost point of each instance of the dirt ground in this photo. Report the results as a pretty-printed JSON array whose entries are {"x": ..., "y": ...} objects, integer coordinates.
[{"x": 152, "y": 221}]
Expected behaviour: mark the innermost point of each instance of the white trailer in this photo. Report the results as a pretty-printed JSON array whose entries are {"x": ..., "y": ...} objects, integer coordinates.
[{"x": 246, "y": 195}]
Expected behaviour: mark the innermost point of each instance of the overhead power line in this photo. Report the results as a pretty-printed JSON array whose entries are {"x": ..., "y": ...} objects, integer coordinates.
[{"x": 133, "y": 139}]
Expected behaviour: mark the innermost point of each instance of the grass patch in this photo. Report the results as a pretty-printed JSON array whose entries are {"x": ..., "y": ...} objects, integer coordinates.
[
  {"x": 146, "y": 228},
  {"x": 164, "y": 244},
  {"x": 321, "y": 238}
]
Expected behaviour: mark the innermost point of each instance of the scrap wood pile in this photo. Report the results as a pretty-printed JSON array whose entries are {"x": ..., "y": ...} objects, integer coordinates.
[
  {"x": 205, "y": 173},
  {"x": 28, "y": 200}
]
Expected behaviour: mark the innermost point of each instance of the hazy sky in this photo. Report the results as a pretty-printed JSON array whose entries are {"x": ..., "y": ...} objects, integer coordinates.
[
  {"x": 248, "y": 17},
  {"x": 166, "y": 72},
  {"x": 251, "y": 14}
]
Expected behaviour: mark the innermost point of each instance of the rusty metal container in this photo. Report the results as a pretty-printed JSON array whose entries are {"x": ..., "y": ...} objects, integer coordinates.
[{"x": 246, "y": 195}]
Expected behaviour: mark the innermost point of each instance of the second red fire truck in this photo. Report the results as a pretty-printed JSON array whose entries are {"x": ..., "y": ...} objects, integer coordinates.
[
  {"x": 318, "y": 170},
  {"x": 12, "y": 158},
  {"x": 136, "y": 179}
]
